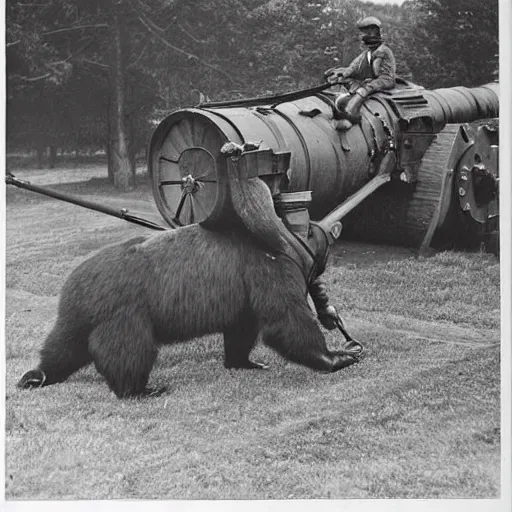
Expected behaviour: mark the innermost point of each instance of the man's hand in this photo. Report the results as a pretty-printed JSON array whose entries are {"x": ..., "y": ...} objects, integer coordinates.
[
  {"x": 328, "y": 317},
  {"x": 330, "y": 71},
  {"x": 332, "y": 79},
  {"x": 335, "y": 75}
]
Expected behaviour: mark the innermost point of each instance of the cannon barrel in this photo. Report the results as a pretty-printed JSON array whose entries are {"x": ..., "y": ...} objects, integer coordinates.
[
  {"x": 463, "y": 105},
  {"x": 427, "y": 131}
]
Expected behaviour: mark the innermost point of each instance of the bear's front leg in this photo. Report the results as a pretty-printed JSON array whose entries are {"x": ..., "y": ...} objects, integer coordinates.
[{"x": 239, "y": 340}]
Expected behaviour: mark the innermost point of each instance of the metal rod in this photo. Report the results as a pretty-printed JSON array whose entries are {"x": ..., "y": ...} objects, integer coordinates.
[
  {"x": 353, "y": 347},
  {"x": 180, "y": 205},
  {"x": 354, "y": 200},
  {"x": 267, "y": 100},
  {"x": 383, "y": 176},
  {"x": 122, "y": 213}
]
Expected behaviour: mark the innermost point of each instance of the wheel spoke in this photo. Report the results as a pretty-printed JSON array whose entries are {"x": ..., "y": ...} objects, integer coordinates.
[
  {"x": 201, "y": 208},
  {"x": 177, "y": 139},
  {"x": 185, "y": 213},
  {"x": 186, "y": 129},
  {"x": 201, "y": 176},
  {"x": 170, "y": 182},
  {"x": 192, "y": 210},
  {"x": 165, "y": 159},
  {"x": 180, "y": 206}
]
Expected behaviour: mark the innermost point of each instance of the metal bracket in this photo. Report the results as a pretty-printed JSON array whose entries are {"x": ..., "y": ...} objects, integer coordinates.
[{"x": 253, "y": 162}]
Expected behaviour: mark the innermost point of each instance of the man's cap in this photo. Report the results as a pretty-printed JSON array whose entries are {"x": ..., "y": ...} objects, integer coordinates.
[{"x": 369, "y": 21}]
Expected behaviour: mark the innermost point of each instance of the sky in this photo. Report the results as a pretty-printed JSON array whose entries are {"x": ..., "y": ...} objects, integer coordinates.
[{"x": 399, "y": 2}]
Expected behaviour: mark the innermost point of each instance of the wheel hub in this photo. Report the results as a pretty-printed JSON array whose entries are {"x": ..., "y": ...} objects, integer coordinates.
[{"x": 189, "y": 184}]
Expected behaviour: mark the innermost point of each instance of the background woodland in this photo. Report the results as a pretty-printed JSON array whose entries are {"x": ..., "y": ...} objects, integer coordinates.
[{"x": 91, "y": 75}]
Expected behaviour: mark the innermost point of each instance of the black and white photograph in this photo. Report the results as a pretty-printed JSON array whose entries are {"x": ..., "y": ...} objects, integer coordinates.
[{"x": 256, "y": 254}]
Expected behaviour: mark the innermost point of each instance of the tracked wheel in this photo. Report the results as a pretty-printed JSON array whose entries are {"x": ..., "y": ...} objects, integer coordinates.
[
  {"x": 430, "y": 201},
  {"x": 184, "y": 167},
  {"x": 409, "y": 214}
]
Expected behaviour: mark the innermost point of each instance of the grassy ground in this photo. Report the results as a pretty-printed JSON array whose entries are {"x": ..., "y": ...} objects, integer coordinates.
[{"x": 419, "y": 417}]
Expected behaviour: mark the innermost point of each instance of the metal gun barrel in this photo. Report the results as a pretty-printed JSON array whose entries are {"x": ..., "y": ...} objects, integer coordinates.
[{"x": 462, "y": 104}]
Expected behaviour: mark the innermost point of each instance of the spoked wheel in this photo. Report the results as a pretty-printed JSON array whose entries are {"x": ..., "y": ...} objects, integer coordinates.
[{"x": 184, "y": 163}]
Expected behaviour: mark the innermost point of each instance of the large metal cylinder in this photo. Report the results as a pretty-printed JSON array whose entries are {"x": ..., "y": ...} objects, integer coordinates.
[
  {"x": 331, "y": 164},
  {"x": 185, "y": 160}
]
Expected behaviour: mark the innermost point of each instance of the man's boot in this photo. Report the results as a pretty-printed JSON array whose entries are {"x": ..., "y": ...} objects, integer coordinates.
[
  {"x": 341, "y": 125},
  {"x": 340, "y": 122},
  {"x": 354, "y": 106},
  {"x": 340, "y": 103}
]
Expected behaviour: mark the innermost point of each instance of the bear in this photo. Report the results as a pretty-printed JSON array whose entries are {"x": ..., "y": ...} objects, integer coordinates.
[{"x": 119, "y": 306}]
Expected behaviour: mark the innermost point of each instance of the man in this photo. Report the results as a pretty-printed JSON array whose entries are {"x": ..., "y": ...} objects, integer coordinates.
[{"x": 373, "y": 70}]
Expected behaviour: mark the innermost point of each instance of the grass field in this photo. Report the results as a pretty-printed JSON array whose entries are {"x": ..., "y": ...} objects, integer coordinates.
[{"x": 419, "y": 417}]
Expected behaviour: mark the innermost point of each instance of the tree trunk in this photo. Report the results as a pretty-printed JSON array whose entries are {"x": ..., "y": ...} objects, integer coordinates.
[
  {"x": 122, "y": 170},
  {"x": 110, "y": 165},
  {"x": 133, "y": 137},
  {"x": 40, "y": 150},
  {"x": 108, "y": 145},
  {"x": 53, "y": 156}
]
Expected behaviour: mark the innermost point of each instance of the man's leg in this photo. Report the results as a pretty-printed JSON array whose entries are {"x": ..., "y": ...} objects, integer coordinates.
[{"x": 353, "y": 106}]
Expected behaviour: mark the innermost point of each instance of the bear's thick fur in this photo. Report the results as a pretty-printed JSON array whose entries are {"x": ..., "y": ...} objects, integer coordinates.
[{"x": 120, "y": 305}]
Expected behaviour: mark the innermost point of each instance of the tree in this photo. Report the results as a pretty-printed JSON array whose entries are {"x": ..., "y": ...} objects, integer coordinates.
[
  {"x": 56, "y": 47},
  {"x": 455, "y": 42},
  {"x": 121, "y": 165},
  {"x": 288, "y": 44},
  {"x": 92, "y": 73},
  {"x": 184, "y": 53},
  {"x": 64, "y": 44}
]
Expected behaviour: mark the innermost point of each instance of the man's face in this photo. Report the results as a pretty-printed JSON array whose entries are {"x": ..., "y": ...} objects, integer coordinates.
[{"x": 369, "y": 34}]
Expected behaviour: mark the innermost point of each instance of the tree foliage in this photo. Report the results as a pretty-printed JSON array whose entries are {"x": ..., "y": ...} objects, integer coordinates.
[
  {"x": 60, "y": 85},
  {"x": 460, "y": 38}
]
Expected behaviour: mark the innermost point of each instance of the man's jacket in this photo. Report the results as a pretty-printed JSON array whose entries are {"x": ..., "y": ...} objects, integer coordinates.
[{"x": 376, "y": 73}]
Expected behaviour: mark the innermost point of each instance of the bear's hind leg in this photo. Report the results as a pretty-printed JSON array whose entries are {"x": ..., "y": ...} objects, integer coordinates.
[
  {"x": 64, "y": 352},
  {"x": 239, "y": 340},
  {"x": 124, "y": 351}
]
